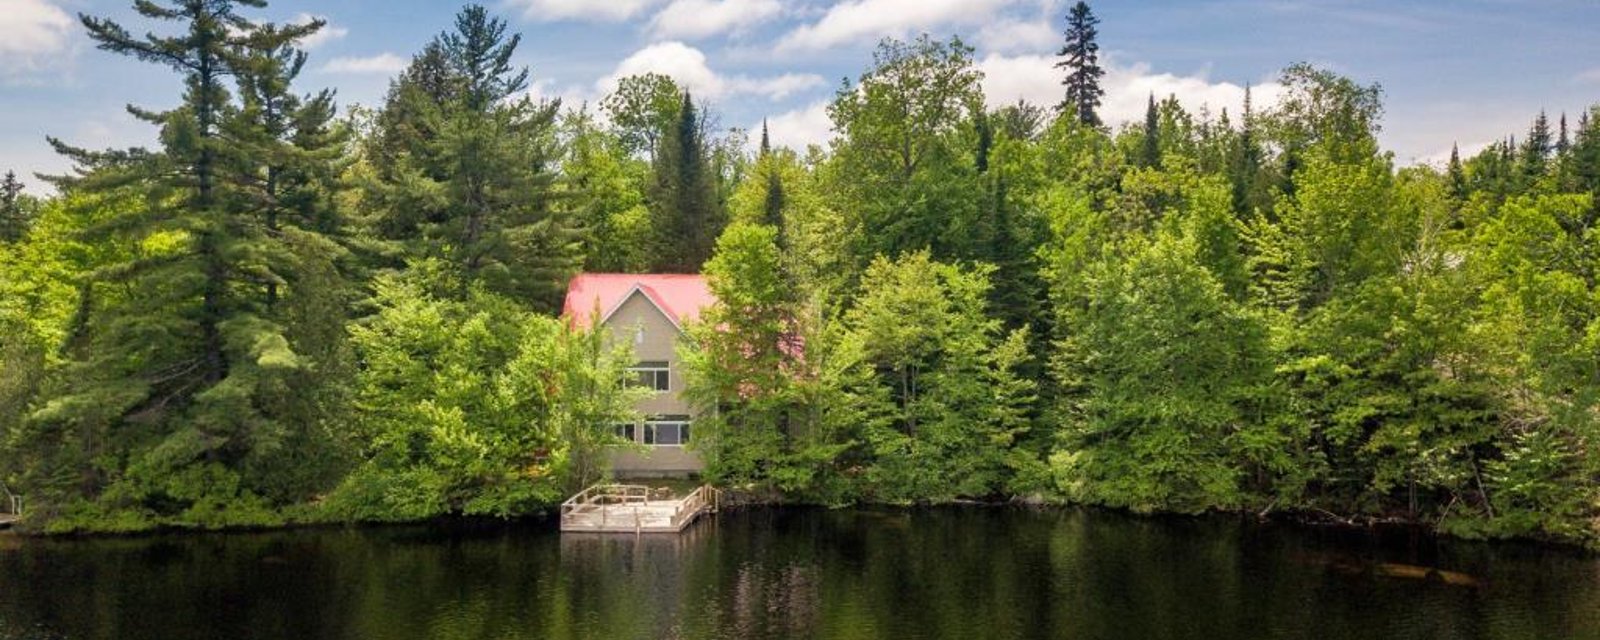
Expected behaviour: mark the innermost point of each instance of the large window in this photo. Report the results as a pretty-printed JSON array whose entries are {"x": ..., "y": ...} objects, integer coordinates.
[
  {"x": 667, "y": 431},
  {"x": 652, "y": 375},
  {"x": 627, "y": 431}
]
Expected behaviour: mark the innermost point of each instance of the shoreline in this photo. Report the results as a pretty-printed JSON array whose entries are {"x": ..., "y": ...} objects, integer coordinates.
[{"x": 1309, "y": 520}]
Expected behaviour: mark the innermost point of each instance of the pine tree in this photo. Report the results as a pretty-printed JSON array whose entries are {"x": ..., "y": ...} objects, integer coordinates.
[
  {"x": 480, "y": 55},
  {"x": 1150, "y": 150},
  {"x": 471, "y": 177},
  {"x": 684, "y": 201},
  {"x": 404, "y": 126},
  {"x": 180, "y": 339},
  {"x": 1081, "y": 59}
]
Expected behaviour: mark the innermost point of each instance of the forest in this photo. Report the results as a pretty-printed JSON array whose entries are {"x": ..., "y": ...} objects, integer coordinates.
[{"x": 289, "y": 310}]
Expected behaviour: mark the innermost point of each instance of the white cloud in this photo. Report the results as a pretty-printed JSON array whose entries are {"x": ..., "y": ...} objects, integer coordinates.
[
  {"x": 1128, "y": 88},
  {"x": 687, "y": 65},
  {"x": 799, "y": 128},
  {"x": 1591, "y": 76},
  {"x": 775, "y": 87},
  {"x": 328, "y": 33},
  {"x": 33, "y": 37},
  {"x": 582, "y": 10},
  {"x": 703, "y": 18},
  {"x": 387, "y": 63},
  {"x": 866, "y": 19},
  {"x": 1012, "y": 36}
]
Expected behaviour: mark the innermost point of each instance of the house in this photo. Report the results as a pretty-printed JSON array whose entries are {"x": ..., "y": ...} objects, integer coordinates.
[{"x": 650, "y": 311}]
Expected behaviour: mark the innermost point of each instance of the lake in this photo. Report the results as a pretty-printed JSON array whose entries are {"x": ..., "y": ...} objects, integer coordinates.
[{"x": 987, "y": 573}]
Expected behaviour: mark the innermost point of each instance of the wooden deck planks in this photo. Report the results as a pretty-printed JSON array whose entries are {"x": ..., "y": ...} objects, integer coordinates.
[{"x": 654, "y": 516}]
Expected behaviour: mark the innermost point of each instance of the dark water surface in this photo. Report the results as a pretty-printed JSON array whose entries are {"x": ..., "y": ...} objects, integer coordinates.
[{"x": 984, "y": 573}]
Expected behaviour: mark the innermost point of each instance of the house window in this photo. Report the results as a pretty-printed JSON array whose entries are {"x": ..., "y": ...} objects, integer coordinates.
[
  {"x": 652, "y": 375},
  {"x": 627, "y": 431},
  {"x": 667, "y": 431}
]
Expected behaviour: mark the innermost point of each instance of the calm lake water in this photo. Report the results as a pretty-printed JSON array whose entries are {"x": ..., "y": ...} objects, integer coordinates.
[{"x": 987, "y": 573}]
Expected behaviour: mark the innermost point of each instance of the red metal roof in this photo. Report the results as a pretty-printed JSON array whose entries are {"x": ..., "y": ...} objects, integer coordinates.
[{"x": 591, "y": 295}]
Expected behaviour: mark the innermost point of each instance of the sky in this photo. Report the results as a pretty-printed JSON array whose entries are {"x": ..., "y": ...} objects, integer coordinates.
[{"x": 1461, "y": 72}]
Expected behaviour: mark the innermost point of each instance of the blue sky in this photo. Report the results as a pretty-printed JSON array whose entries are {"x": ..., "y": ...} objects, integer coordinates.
[{"x": 1462, "y": 71}]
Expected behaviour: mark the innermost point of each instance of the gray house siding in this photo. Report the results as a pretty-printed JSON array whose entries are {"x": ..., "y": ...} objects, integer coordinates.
[{"x": 655, "y": 339}]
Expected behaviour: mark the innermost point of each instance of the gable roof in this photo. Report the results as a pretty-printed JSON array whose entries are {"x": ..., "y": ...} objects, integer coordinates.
[{"x": 680, "y": 297}]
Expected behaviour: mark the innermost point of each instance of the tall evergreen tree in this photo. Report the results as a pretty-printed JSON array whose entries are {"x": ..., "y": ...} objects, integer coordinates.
[
  {"x": 772, "y": 204},
  {"x": 688, "y": 213},
  {"x": 15, "y": 211},
  {"x": 1536, "y": 148},
  {"x": 1245, "y": 160},
  {"x": 1150, "y": 149},
  {"x": 1456, "y": 175},
  {"x": 403, "y": 125},
  {"x": 480, "y": 55},
  {"x": 1080, "y": 57},
  {"x": 472, "y": 177},
  {"x": 1586, "y": 153},
  {"x": 1563, "y": 140},
  {"x": 177, "y": 386}
]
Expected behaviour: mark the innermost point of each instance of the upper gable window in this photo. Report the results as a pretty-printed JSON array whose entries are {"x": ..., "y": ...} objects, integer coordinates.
[{"x": 652, "y": 374}]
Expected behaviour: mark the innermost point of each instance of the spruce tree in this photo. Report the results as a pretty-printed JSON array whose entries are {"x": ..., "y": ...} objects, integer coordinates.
[
  {"x": 14, "y": 210},
  {"x": 1456, "y": 175},
  {"x": 684, "y": 201},
  {"x": 1563, "y": 141},
  {"x": 1536, "y": 150},
  {"x": 772, "y": 205},
  {"x": 1586, "y": 152},
  {"x": 1150, "y": 151},
  {"x": 985, "y": 139},
  {"x": 1245, "y": 160},
  {"x": 1080, "y": 57}
]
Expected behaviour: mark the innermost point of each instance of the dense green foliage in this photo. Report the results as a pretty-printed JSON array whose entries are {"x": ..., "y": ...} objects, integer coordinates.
[{"x": 279, "y": 314}]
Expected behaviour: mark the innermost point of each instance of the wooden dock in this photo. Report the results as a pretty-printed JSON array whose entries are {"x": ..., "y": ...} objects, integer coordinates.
[
  {"x": 10, "y": 509},
  {"x": 626, "y": 508}
]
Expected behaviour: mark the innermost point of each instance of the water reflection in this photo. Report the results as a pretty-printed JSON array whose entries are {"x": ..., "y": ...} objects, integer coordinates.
[{"x": 939, "y": 573}]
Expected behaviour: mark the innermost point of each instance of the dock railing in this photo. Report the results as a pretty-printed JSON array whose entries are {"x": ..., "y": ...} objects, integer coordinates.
[
  {"x": 614, "y": 507},
  {"x": 704, "y": 498},
  {"x": 12, "y": 504},
  {"x": 605, "y": 494}
]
